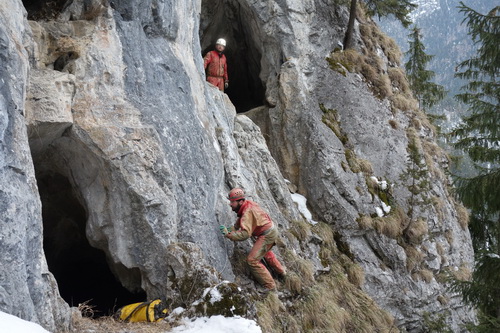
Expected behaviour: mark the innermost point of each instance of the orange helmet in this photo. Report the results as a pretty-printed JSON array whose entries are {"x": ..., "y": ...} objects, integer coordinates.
[{"x": 236, "y": 194}]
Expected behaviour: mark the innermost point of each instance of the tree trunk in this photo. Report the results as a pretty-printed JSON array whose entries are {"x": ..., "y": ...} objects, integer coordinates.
[{"x": 348, "y": 40}]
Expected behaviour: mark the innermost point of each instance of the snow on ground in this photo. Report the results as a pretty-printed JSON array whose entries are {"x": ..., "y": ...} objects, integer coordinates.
[
  {"x": 13, "y": 324},
  {"x": 301, "y": 203},
  {"x": 219, "y": 324},
  {"x": 214, "y": 324}
]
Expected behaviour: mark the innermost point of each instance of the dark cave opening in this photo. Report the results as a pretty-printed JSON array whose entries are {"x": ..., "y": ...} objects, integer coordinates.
[
  {"x": 225, "y": 19},
  {"x": 43, "y": 9},
  {"x": 81, "y": 271}
]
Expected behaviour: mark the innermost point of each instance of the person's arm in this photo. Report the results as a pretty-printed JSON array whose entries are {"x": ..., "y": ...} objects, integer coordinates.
[
  {"x": 207, "y": 59},
  {"x": 242, "y": 228},
  {"x": 226, "y": 78}
]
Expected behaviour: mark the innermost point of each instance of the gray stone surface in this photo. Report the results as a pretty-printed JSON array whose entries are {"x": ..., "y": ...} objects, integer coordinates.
[
  {"x": 27, "y": 288},
  {"x": 115, "y": 101}
]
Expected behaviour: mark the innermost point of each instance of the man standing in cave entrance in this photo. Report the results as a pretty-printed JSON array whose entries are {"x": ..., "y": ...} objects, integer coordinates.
[
  {"x": 254, "y": 222},
  {"x": 217, "y": 66}
]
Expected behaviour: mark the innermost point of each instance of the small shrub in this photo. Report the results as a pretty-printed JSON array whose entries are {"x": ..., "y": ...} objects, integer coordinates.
[
  {"x": 448, "y": 234},
  {"x": 443, "y": 300},
  {"x": 462, "y": 215},
  {"x": 426, "y": 275},
  {"x": 413, "y": 258},
  {"x": 398, "y": 80},
  {"x": 394, "y": 124},
  {"x": 365, "y": 222},
  {"x": 402, "y": 102},
  {"x": 416, "y": 230}
]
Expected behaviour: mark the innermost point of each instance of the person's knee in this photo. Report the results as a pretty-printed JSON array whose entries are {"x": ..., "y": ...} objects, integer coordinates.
[{"x": 252, "y": 261}]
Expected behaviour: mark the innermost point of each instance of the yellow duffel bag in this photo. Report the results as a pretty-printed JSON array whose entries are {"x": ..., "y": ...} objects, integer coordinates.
[{"x": 150, "y": 311}]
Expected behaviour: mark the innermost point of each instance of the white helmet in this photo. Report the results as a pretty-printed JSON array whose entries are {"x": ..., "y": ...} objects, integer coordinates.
[{"x": 221, "y": 41}]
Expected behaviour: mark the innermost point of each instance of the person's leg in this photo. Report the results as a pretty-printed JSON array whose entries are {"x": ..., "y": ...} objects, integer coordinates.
[
  {"x": 270, "y": 258},
  {"x": 259, "y": 271}
]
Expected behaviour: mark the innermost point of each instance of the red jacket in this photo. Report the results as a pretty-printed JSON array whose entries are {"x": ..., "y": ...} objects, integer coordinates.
[
  {"x": 252, "y": 221},
  {"x": 217, "y": 68}
]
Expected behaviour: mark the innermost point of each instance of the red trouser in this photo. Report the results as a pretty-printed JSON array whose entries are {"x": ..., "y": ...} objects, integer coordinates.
[
  {"x": 262, "y": 249},
  {"x": 217, "y": 81}
]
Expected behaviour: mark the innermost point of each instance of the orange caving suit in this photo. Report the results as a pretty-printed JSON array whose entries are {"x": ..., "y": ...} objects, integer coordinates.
[
  {"x": 254, "y": 221},
  {"x": 217, "y": 68}
]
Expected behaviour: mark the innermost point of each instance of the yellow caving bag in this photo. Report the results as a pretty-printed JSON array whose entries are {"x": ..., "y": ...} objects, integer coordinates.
[{"x": 150, "y": 311}]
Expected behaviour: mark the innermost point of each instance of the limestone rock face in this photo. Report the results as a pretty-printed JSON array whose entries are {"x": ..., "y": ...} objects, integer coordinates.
[
  {"x": 112, "y": 138},
  {"x": 27, "y": 288}
]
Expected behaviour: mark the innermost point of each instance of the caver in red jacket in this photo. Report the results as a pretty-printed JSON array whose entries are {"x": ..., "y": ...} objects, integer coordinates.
[
  {"x": 254, "y": 222},
  {"x": 217, "y": 69}
]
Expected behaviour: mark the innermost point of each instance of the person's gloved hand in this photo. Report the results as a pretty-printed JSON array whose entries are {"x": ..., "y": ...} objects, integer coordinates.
[
  {"x": 223, "y": 230},
  {"x": 226, "y": 84}
]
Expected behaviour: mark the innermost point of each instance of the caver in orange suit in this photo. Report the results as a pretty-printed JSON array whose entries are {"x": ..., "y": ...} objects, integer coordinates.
[
  {"x": 217, "y": 69},
  {"x": 254, "y": 221}
]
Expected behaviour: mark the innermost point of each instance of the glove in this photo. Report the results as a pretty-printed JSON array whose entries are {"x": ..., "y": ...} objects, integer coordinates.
[
  {"x": 223, "y": 230},
  {"x": 226, "y": 84}
]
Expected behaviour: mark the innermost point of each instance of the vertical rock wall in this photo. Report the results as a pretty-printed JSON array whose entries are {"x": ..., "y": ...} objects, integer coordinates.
[
  {"x": 115, "y": 102},
  {"x": 27, "y": 289}
]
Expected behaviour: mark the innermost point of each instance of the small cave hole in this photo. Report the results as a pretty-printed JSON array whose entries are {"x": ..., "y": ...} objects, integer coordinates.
[
  {"x": 39, "y": 10},
  {"x": 81, "y": 271},
  {"x": 224, "y": 19},
  {"x": 62, "y": 62}
]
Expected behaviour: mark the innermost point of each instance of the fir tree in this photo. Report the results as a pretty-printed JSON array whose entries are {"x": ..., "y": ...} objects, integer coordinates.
[
  {"x": 479, "y": 136},
  {"x": 400, "y": 9},
  {"x": 428, "y": 93}
]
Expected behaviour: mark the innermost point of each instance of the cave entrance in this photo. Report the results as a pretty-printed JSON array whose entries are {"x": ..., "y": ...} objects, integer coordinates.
[
  {"x": 81, "y": 271},
  {"x": 227, "y": 19},
  {"x": 43, "y": 9}
]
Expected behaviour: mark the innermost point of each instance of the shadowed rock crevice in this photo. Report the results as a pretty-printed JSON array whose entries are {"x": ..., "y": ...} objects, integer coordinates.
[
  {"x": 227, "y": 19},
  {"x": 43, "y": 9}
]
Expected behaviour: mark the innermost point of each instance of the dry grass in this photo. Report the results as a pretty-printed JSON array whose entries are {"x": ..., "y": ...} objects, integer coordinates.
[
  {"x": 355, "y": 274},
  {"x": 391, "y": 225},
  {"x": 108, "y": 324},
  {"x": 416, "y": 231},
  {"x": 414, "y": 258},
  {"x": 443, "y": 300},
  {"x": 448, "y": 234},
  {"x": 300, "y": 229},
  {"x": 426, "y": 275},
  {"x": 402, "y": 102},
  {"x": 398, "y": 80},
  {"x": 394, "y": 124},
  {"x": 463, "y": 273},
  {"x": 325, "y": 231},
  {"x": 438, "y": 204},
  {"x": 330, "y": 118},
  {"x": 462, "y": 215},
  {"x": 268, "y": 310},
  {"x": 365, "y": 222},
  {"x": 302, "y": 267},
  {"x": 440, "y": 249},
  {"x": 357, "y": 164}
]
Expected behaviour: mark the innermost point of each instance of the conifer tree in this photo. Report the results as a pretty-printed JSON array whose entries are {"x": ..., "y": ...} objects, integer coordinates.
[
  {"x": 428, "y": 93},
  {"x": 400, "y": 9},
  {"x": 479, "y": 136}
]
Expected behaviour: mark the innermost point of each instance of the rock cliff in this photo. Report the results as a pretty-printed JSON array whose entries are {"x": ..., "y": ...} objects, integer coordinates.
[{"x": 116, "y": 158}]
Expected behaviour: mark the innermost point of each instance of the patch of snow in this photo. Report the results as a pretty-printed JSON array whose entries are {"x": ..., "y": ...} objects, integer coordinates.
[
  {"x": 219, "y": 324},
  {"x": 177, "y": 311},
  {"x": 386, "y": 208},
  {"x": 13, "y": 324},
  {"x": 383, "y": 185},
  {"x": 301, "y": 201},
  {"x": 215, "y": 295},
  {"x": 379, "y": 211}
]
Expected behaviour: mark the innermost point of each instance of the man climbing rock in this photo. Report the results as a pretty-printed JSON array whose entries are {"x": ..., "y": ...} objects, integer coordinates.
[
  {"x": 254, "y": 222},
  {"x": 217, "y": 66}
]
